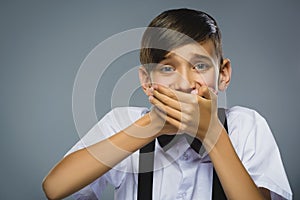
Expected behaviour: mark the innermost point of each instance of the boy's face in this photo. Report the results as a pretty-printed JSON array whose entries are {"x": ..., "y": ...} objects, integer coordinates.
[{"x": 188, "y": 67}]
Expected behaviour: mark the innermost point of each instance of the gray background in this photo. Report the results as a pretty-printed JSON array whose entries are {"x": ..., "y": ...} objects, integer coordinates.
[{"x": 43, "y": 43}]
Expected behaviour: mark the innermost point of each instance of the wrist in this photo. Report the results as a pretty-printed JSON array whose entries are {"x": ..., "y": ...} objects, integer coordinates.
[
  {"x": 213, "y": 135},
  {"x": 143, "y": 128}
]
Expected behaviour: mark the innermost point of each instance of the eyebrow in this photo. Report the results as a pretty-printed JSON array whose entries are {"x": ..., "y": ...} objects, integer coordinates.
[
  {"x": 168, "y": 55},
  {"x": 201, "y": 57},
  {"x": 194, "y": 57}
]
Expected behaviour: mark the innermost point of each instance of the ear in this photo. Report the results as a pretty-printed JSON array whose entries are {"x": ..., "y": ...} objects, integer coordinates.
[
  {"x": 224, "y": 74},
  {"x": 144, "y": 78}
]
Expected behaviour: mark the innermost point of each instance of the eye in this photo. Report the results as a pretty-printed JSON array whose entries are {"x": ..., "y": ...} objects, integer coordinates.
[
  {"x": 167, "y": 68},
  {"x": 201, "y": 67}
]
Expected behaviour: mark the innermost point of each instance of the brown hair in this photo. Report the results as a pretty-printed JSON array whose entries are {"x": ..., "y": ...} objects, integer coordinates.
[{"x": 174, "y": 28}]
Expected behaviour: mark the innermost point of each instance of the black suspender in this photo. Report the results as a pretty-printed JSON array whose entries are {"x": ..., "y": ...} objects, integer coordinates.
[
  {"x": 145, "y": 177},
  {"x": 217, "y": 190},
  {"x": 146, "y": 162}
]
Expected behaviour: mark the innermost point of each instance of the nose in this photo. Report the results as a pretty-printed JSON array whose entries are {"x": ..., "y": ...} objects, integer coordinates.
[{"x": 186, "y": 80}]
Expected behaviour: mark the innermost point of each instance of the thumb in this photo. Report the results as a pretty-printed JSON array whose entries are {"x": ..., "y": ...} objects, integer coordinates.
[{"x": 205, "y": 92}]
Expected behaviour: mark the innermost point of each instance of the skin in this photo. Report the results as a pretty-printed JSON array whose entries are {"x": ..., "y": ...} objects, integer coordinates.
[
  {"x": 182, "y": 89},
  {"x": 185, "y": 82}
]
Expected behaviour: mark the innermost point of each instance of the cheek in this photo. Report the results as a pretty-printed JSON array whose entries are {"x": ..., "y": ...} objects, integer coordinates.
[
  {"x": 163, "y": 80},
  {"x": 209, "y": 79}
]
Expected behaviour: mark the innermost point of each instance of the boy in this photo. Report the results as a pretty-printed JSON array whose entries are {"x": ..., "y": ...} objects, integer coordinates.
[{"x": 182, "y": 70}]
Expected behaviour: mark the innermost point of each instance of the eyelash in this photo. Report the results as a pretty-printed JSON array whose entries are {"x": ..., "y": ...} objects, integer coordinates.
[
  {"x": 202, "y": 64},
  {"x": 168, "y": 68}
]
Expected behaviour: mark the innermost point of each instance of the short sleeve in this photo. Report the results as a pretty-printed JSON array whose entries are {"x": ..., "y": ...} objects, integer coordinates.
[{"x": 261, "y": 157}]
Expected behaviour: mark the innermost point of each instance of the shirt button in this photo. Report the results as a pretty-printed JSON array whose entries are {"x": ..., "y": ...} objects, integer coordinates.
[
  {"x": 185, "y": 156},
  {"x": 181, "y": 195}
]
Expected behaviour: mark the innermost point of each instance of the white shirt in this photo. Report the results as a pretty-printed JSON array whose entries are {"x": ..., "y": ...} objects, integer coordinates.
[{"x": 181, "y": 173}]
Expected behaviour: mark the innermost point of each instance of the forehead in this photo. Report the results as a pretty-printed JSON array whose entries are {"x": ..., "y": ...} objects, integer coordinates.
[{"x": 205, "y": 50}]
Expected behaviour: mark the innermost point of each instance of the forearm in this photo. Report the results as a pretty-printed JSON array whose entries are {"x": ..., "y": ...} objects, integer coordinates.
[
  {"x": 84, "y": 166},
  {"x": 235, "y": 180}
]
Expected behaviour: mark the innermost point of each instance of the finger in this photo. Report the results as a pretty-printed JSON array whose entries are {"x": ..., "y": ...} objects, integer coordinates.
[
  {"x": 174, "y": 94},
  {"x": 169, "y": 119},
  {"x": 205, "y": 92},
  {"x": 167, "y": 127},
  {"x": 166, "y": 91},
  {"x": 166, "y": 109},
  {"x": 168, "y": 100}
]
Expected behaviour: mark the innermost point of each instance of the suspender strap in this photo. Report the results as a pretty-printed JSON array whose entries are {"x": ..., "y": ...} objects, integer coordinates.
[
  {"x": 146, "y": 162},
  {"x": 217, "y": 190},
  {"x": 145, "y": 177}
]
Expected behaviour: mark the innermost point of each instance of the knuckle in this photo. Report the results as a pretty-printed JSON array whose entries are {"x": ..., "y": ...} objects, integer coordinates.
[
  {"x": 189, "y": 109},
  {"x": 194, "y": 100},
  {"x": 205, "y": 89},
  {"x": 188, "y": 118},
  {"x": 183, "y": 126},
  {"x": 173, "y": 95},
  {"x": 166, "y": 100},
  {"x": 181, "y": 106}
]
